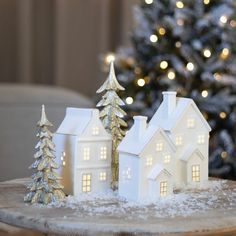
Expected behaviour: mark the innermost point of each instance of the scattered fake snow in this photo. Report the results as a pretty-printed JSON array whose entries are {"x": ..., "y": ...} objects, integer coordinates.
[{"x": 212, "y": 195}]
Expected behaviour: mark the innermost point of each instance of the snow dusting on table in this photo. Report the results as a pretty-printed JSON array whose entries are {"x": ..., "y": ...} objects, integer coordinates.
[{"x": 212, "y": 195}]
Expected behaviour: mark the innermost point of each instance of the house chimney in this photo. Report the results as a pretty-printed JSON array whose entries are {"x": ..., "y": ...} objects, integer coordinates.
[
  {"x": 169, "y": 100},
  {"x": 140, "y": 124}
]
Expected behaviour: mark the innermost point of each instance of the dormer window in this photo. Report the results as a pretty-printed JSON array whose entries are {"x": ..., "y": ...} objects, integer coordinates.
[
  {"x": 190, "y": 122},
  {"x": 201, "y": 139},
  {"x": 178, "y": 140},
  {"x": 86, "y": 154},
  {"x": 159, "y": 146},
  {"x": 103, "y": 153},
  {"x": 149, "y": 161},
  {"x": 95, "y": 130}
]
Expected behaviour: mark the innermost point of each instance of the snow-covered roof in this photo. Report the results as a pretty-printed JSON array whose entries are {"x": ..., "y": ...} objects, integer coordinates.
[
  {"x": 76, "y": 120},
  {"x": 187, "y": 153},
  {"x": 161, "y": 122},
  {"x": 156, "y": 171}
]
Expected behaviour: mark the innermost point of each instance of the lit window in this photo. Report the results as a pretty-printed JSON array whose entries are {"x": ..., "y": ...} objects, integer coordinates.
[
  {"x": 163, "y": 188},
  {"x": 95, "y": 131},
  {"x": 127, "y": 173},
  {"x": 103, "y": 176},
  {"x": 178, "y": 140},
  {"x": 190, "y": 122},
  {"x": 159, "y": 147},
  {"x": 103, "y": 153},
  {"x": 201, "y": 139},
  {"x": 86, "y": 154},
  {"x": 196, "y": 173},
  {"x": 167, "y": 158},
  {"x": 149, "y": 161},
  {"x": 86, "y": 183}
]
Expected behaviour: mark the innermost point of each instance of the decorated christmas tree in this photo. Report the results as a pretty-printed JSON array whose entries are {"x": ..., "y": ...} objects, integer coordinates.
[
  {"x": 112, "y": 117},
  {"x": 44, "y": 187},
  {"x": 187, "y": 46}
]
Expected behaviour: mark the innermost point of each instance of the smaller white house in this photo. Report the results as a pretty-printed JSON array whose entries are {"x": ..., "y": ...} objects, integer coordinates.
[
  {"x": 169, "y": 151},
  {"x": 83, "y": 150}
]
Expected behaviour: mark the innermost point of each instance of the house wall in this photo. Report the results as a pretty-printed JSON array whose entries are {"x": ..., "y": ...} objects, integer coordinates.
[
  {"x": 129, "y": 188},
  {"x": 65, "y": 143}
]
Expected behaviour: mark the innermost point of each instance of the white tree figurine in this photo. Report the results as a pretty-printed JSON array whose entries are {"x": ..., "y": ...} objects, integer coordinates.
[
  {"x": 44, "y": 187},
  {"x": 111, "y": 116}
]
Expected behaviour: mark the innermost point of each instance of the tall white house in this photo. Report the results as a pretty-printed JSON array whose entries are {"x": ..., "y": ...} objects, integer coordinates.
[
  {"x": 170, "y": 150},
  {"x": 83, "y": 151}
]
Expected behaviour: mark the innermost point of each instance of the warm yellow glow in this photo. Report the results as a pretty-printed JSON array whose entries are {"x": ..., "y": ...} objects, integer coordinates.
[
  {"x": 217, "y": 76},
  {"x": 103, "y": 153},
  {"x": 225, "y": 53},
  {"x": 171, "y": 75},
  {"x": 206, "y": 1},
  {"x": 190, "y": 66},
  {"x": 109, "y": 58},
  {"x": 201, "y": 139},
  {"x": 233, "y": 23},
  {"x": 196, "y": 173},
  {"x": 86, "y": 183},
  {"x": 163, "y": 65},
  {"x": 129, "y": 100},
  {"x": 178, "y": 140},
  {"x": 190, "y": 122},
  {"x": 204, "y": 93},
  {"x": 167, "y": 158},
  {"x": 159, "y": 147},
  {"x": 207, "y": 53},
  {"x": 149, "y": 161},
  {"x": 180, "y": 22},
  {"x": 95, "y": 131},
  {"x": 102, "y": 176},
  {"x": 86, "y": 153},
  {"x": 178, "y": 44},
  {"x": 141, "y": 82},
  {"x": 163, "y": 188},
  {"x": 224, "y": 154},
  {"x": 223, "y": 19},
  {"x": 161, "y": 31},
  {"x": 179, "y": 4},
  {"x": 153, "y": 38},
  {"x": 148, "y": 1},
  {"x": 222, "y": 115},
  {"x": 64, "y": 163}
]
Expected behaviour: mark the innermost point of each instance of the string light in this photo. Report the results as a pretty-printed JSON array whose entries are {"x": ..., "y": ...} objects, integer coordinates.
[
  {"x": 141, "y": 82},
  {"x": 224, "y": 154},
  {"x": 204, "y": 93},
  {"x": 180, "y": 22},
  {"x": 171, "y": 75},
  {"x": 206, "y": 1},
  {"x": 178, "y": 44},
  {"x": 217, "y": 76},
  {"x": 223, "y": 19},
  {"x": 207, "y": 53},
  {"x": 190, "y": 66},
  {"x": 153, "y": 38},
  {"x": 129, "y": 100},
  {"x": 222, "y": 115},
  {"x": 179, "y": 4},
  {"x": 163, "y": 65},
  {"x": 162, "y": 31},
  {"x": 232, "y": 23},
  {"x": 225, "y": 53},
  {"x": 109, "y": 58},
  {"x": 148, "y": 1}
]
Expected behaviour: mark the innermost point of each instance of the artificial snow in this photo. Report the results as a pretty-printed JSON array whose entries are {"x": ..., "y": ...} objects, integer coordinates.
[{"x": 213, "y": 194}]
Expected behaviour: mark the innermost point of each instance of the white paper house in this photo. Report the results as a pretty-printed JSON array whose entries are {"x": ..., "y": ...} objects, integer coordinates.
[
  {"x": 171, "y": 150},
  {"x": 83, "y": 150}
]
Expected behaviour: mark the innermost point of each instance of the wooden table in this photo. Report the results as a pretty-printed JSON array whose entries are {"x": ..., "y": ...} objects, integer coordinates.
[{"x": 218, "y": 219}]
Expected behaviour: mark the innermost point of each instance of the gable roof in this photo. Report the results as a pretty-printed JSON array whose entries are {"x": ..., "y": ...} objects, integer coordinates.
[
  {"x": 156, "y": 171},
  {"x": 76, "y": 120},
  {"x": 187, "y": 153}
]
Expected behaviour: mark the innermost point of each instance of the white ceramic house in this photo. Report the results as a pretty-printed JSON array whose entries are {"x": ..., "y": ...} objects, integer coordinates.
[
  {"x": 171, "y": 150},
  {"x": 83, "y": 152}
]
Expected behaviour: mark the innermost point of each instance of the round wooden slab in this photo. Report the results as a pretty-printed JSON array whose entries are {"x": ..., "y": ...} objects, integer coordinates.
[{"x": 208, "y": 212}]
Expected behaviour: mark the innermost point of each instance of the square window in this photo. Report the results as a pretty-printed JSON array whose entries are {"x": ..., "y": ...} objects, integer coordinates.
[
  {"x": 149, "y": 161},
  {"x": 201, "y": 139},
  {"x": 167, "y": 158},
  {"x": 103, "y": 153},
  {"x": 190, "y": 122},
  {"x": 163, "y": 188},
  {"x": 196, "y": 173},
  {"x": 103, "y": 176},
  {"x": 86, "y": 153},
  {"x": 86, "y": 183},
  {"x": 95, "y": 131},
  {"x": 178, "y": 140},
  {"x": 159, "y": 146}
]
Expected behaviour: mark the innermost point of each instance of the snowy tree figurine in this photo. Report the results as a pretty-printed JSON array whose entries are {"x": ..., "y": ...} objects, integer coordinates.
[
  {"x": 111, "y": 116},
  {"x": 44, "y": 187}
]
